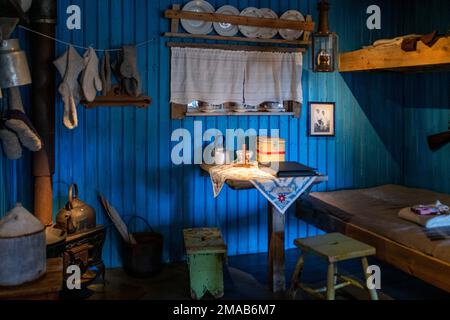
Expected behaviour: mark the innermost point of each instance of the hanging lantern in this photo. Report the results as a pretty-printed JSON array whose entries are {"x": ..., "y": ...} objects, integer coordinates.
[{"x": 324, "y": 43}]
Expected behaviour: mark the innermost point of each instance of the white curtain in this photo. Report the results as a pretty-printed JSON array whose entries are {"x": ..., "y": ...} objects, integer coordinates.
[
  {"x": 218, "y": 76},
  {"x": 273, "y": 77},
  {"x": 213, "y": 76}
]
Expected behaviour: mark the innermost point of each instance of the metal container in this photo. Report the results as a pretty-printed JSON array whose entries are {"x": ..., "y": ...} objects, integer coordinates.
[
  {"x": 144, "y": 258},
  {"x": 22, "y": 248},
  {"x": 14, "y": 70},
  {"x": 76, "y": 216}
]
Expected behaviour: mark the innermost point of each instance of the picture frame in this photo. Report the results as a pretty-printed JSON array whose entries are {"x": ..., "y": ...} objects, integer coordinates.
[{"x": 322, "y": 119}]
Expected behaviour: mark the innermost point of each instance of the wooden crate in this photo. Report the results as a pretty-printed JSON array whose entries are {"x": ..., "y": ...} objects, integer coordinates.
[
  {"x": 271, "y": 150},
  {"x": 206, "y": 252}
]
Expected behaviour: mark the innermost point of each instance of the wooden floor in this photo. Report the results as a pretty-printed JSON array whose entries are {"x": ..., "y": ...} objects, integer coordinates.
[{"x": 246, "y": 278}]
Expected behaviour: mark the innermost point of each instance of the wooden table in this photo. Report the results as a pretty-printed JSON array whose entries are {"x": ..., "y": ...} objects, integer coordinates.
[
  {"x": 45, "y": 288},
  {"x": 277, "y": 222}
]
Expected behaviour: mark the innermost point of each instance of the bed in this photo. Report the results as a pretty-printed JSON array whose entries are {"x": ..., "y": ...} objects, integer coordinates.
[{"x": 371, "y": 216}]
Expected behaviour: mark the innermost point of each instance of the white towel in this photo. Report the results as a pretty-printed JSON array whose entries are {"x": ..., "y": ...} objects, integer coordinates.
[{"x": 428, "y": 222}]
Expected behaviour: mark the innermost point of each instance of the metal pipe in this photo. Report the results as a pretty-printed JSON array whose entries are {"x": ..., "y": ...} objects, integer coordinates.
[{"x": 43, "y": 20}]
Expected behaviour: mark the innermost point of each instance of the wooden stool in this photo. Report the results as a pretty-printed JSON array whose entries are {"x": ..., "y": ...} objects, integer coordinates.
[
  {"x": 333, "y": 247},
  {"x": 206, "y": 252}
]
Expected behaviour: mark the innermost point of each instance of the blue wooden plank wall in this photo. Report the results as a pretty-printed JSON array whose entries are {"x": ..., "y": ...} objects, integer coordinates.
[
  {"x": 124, "y": 153},
  {"x": 427, "y": 106}
]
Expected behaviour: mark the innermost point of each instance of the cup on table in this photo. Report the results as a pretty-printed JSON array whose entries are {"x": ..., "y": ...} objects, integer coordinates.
[{"x": 240, "y": 156}]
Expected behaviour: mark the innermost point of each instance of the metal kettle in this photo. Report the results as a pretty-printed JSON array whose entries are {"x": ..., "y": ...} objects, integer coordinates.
[{"x": 76, "y": 216}]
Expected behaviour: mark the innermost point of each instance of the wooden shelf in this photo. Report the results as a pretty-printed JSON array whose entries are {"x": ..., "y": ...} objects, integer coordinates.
[
  {"x": 175, "y": 14},
  {"x": 223, "y": 46},
  {"x": 239, "y": 20},
  {"x": 240, "y": 114},
  {"x": 393, "y": 58},
  {"x": 180, "y": 111},
  {"x": 117, "y": 99},
  {"x": 298, "y": 43}
]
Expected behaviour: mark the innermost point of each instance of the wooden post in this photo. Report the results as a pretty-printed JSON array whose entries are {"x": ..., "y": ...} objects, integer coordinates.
[
  {"x": 277, "y": 277},
  {"x": 175, "y": 23}
]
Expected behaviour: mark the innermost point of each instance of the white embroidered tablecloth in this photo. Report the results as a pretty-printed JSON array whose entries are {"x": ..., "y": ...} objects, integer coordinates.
[
  {"x": 280, "y": 192},
  {"x": 220, "y": 174},
  {"x": 283, "y": 192}
]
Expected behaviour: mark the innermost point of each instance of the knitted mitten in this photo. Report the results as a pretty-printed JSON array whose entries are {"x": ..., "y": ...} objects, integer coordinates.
[
  {"x": 90, "y": 78},
  {"x": 17, "y": 121},
  {"x": 10, "y": 143},
  {"x": 129, "y": 71},
  {"x": 105, "y": 73},
  {"x": 70, "y": 65}
]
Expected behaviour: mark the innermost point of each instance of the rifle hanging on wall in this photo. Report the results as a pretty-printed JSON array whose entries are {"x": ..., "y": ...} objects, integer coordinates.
[{"x": 439, "y": 140}]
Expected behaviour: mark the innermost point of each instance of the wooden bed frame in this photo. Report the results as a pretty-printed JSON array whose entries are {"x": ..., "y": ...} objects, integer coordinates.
[{"x": 427, "y": 268}]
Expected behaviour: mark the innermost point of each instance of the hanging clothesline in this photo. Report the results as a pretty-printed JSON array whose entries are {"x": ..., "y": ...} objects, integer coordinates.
[{"x": 141, "y": 44}]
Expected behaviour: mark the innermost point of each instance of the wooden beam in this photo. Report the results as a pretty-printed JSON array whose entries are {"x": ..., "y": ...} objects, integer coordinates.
[
  {"x": 394, "y": 58},
  {"x": 299, "y": 43},
  {"x": 239, "y": 20}
]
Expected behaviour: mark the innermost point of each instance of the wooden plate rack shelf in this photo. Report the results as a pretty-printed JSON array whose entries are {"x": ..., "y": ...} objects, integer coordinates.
[
  {"x": 175, "y": 14},
  {"x": 274, "y": 45}
]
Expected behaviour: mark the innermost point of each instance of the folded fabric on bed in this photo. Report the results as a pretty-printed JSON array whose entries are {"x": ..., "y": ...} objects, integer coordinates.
[{"x": 429, "y": 222}]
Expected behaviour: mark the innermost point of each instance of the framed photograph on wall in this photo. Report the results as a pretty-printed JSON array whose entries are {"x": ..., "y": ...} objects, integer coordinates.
[{"x": 321, "y": 119}]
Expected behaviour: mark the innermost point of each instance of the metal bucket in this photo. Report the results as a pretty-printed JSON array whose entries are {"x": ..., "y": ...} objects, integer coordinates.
[
  {"x": 143, "y": 259},
  {"x": 14, "y": 70},
  {"x": 22, "y": 248}
]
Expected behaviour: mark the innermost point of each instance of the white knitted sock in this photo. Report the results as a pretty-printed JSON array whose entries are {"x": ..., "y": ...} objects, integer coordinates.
[
  {"x": 90, "y": 78},
  {"x": 70, "y": 65},
  {"x": 17, "y": 121},
  {"x": 10, "y": 143}
]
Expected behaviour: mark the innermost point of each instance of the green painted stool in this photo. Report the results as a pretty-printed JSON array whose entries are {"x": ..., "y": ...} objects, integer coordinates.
[
  {"x": 334, "y": 247},
  {"x": 206, "y": 252}
]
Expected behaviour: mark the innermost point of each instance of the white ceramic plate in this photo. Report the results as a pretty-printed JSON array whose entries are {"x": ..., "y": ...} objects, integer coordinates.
[
  {"x": 227, "y": 29},
  {"x": 289, "y": 34},
  {"x": 249, "y": 31},
  {"x": 196, "y": 26},
  {"x": 268, "y": 33}
]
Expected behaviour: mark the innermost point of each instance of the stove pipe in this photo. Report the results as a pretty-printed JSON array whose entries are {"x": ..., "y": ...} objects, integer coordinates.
[{"x": 43, "y": 20}]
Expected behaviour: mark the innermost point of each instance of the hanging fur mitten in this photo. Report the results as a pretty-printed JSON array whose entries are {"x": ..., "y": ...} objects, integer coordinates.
[
  {"x": 90, "y": 78},
  {"x": 129, "y": 71},
  {"x": 16, "y": 120},
  {"x": 70, "y": 65},
  {"x": 105, "y": 73},
  {"x": 10, "y": 143}
]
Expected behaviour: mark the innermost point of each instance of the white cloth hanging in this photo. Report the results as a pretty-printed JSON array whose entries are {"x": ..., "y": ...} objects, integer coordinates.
[
  {"x": 244, "y": 77},
  {"x": 273, "y": 77},
  {"x": 212, "y": 76}
]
